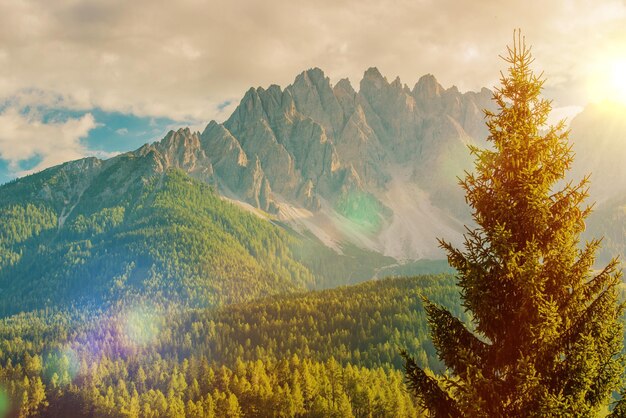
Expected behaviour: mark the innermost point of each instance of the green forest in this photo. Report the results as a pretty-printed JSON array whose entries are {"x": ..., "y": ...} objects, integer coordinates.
[{"x": 314, "y": 354}]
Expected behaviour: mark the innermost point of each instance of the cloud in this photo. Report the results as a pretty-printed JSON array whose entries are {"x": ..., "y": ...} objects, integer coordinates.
[
  {"x": 184, "y": 59},
  {"x": 24, "y": 135}
]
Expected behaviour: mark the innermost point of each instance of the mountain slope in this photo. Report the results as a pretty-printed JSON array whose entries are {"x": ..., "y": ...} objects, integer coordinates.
[{"x": 166, "y": 236}]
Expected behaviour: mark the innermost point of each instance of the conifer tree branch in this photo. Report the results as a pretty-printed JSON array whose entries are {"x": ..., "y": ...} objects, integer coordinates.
[
  {"x": 455, "y": 344},
  {"x": 428, "y": 391}
]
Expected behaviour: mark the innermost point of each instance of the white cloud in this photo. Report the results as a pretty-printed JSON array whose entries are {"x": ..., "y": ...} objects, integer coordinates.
[
  {"x": 24, "y": 135},
  {"x": 121, "y": 131},
  {"x": 183, "y": 59}
]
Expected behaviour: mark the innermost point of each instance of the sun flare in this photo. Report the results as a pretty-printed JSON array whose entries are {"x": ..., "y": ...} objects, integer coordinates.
[
  {"x": 608, "y": 82},
  {"x": 618, "y": 78}
]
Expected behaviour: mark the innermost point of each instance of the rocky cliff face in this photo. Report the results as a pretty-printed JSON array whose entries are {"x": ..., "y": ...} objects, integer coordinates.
[
  {"x": 331, "y": 139},
  {"x": 331, "y": 155}
]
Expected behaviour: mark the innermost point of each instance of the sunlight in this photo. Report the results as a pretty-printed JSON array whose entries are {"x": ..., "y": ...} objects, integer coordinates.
[
  {"x": 618, "y": 78},
  {"x": 608, "y": 80},
  {"x": 62, "y": 366},
  {"x": 141, "y": 326}
]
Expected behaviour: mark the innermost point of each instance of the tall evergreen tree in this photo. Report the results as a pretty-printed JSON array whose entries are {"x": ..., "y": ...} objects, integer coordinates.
[{"x": 546, "y": 337}]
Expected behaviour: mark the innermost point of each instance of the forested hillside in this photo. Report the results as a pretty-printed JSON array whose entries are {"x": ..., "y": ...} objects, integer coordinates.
[
  {"x": 329, "y": 353},
  {"x": 174, "y": 238}
]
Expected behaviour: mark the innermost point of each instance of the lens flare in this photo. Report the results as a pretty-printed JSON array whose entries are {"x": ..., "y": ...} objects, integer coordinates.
[
  {"x": 364, "y": 212},
  {"x": 618, "y": 78},
  {"x": 607, "y": 81},
  {"x": 141, "y": 326},
  {"x": 62, "y": 366}
]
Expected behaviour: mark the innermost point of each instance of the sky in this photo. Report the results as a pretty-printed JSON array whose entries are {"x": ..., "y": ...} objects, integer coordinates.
[{"x": 99, "y": 77}]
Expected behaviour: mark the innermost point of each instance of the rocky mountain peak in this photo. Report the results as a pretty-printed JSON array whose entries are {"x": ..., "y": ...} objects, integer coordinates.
[
  {"x": 312, "y": 77},
  {"x": 180, "y": 137},
  {"x": 427, "y": 88},
  {"x": 250, "y": 108},
  {"x": 182, "y": 149},
  {"x": 373, "y": 78},
  {"x": 344, "y": 86},
  {"x": 314, "y": 98},
  {"x": 397, "y": 84}
]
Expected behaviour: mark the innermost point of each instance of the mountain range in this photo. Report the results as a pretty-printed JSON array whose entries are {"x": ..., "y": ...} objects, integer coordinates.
[
  {"x": 310, "y": 186},
  {"x": 376, "y": 167}
]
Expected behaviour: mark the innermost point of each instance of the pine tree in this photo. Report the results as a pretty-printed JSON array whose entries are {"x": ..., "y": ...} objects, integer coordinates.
[{"x": 546, "y": 335}]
